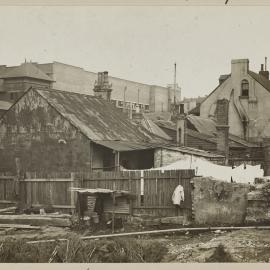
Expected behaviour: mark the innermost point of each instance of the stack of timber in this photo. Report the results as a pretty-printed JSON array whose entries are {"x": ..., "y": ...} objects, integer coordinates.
[
  {"x": 37, "y": 220},
  {"x": 258, "y": 209}
]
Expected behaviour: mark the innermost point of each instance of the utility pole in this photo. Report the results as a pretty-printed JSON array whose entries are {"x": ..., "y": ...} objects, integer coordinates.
[
  {"x": 174, "y": 85},
  {"x": 138, "y": 102},
  {"x": 124, "y": 107}
]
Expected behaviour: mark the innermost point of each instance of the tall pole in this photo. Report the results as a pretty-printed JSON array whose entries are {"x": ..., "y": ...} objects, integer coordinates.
[
  {"x": 138, "y": 107},
  {"x": 124, "y": 107},
  {"x": 174, "y": 85}
]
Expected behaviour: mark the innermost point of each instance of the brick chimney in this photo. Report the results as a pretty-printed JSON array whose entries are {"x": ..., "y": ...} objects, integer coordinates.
[
  {"x": 102, "y": 88},
  {"x": 263, "y": 72},
  {"x": 137, "y": 116},
  {"x": 222, "y": 115},
  {"x": 266, "y": 150},
  {"x": 181, "y": 129}
]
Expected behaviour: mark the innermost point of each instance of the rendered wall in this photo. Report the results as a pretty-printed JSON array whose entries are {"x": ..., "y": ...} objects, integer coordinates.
[{"x": 219, "y": 203}]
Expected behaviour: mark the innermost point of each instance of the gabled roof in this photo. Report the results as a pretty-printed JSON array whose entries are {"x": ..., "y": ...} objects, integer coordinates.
[
  {"x": 95, "y": 117},
  {"x": 27, "y": 70},
  {"x": 260, "y": 79}
]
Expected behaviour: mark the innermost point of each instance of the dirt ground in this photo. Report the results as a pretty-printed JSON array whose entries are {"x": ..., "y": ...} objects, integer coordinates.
[{"x": 219, "y": 246}]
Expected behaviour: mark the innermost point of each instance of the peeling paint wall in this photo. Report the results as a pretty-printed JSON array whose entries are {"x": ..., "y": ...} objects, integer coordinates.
[
  {"x": 164, "y": 157},
  {"x": 217, "y": 203},
  {"x": 41, "y": 138}
]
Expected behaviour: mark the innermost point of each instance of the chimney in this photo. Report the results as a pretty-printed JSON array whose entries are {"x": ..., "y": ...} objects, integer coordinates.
[
  {"x": 102, "y": 88},
  {"x": 222, "y": 113},
  {"x": 239, "y": 67},
  {"x": 181, "y": 126},
  {"x": 266, "y": 150},
  {"x": 263, "y": 72},
  {"x": 137, "y": 116},
  {"x": 182, "y": 108}
]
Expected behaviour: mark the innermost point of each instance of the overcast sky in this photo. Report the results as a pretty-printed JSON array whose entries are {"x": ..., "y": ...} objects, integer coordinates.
[{"x": 139, "y": 43}]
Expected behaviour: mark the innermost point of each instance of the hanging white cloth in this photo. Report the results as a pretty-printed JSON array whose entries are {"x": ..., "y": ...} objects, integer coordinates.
[{"x": 178, "y": 195}]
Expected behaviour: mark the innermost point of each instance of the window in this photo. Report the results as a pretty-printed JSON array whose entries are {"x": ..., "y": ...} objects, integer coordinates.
[{"x": 244, "y": 88}]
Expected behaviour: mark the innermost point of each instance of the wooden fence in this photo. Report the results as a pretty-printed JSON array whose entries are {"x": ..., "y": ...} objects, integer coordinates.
[
  {"x": 152, "y": 189},
  {"x": 7, "y": 190}
]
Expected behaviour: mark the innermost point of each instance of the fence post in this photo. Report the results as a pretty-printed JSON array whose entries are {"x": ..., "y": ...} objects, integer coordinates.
[
  {"x": 75, "y": 182},
  {"x": 131, "y": 199}
]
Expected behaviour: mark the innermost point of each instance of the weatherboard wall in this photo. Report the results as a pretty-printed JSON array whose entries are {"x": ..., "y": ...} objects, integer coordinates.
[{"x": 41, "y": 138}]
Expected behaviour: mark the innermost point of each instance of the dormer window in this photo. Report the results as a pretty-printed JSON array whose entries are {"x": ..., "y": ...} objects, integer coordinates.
[{"x": 244, "y": 88}]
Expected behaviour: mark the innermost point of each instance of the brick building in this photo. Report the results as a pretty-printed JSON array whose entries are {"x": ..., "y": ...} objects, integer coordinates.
[{"x": 126, "y": 94}]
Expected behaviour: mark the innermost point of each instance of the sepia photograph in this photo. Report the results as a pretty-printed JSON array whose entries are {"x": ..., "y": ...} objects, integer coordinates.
[{"x": 135, "y": 133}]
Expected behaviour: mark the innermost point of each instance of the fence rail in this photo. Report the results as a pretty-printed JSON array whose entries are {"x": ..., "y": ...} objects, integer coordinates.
[{"x": 152, "y": 189}]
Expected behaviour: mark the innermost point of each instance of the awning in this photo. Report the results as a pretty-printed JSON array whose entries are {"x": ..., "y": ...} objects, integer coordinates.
[{"x": 124, "y": 146}]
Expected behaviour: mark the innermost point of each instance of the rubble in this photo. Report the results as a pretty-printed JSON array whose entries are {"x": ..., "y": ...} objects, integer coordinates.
[{"x": 258, "y": 209}]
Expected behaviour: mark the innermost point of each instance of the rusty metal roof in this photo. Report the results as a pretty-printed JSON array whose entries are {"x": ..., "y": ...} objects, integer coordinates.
[
  {"x": 95, "y": 117},
  {"x": 202, "y": 125},
  {"x": 154, "y": 128},
  {"x": 124, "y": 146}
]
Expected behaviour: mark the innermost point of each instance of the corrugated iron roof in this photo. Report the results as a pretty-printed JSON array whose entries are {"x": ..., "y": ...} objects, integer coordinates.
[
  {"x": 154, "y": 128},
  {"x": 234, "y": 141},
  {"x": 95, "y": 117},
  {"x": 158, "y": 116},
  {"x": 98, "y": 190},
  {"x": 203, "y": 125},
  {"x": 26, "y": 70},
  {"x": 124, "y": 146},
  {"x": 166, "y": 124},
  {"x": 239, "y": 141}
]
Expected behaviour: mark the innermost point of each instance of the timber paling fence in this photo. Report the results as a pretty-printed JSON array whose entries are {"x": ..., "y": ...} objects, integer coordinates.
[{"x": 152, "y": 189}]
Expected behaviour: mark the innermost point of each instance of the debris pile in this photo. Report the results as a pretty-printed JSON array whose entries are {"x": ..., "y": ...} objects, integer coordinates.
[{"x": 258, "y": 210}]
